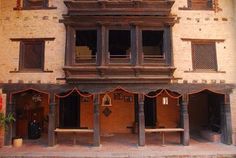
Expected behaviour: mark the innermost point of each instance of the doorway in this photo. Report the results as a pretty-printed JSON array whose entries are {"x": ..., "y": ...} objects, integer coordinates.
[{"x": 150, "y": 109}]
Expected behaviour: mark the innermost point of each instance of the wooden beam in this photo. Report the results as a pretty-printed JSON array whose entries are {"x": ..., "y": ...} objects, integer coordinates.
[{"x": 33, "y": 39}]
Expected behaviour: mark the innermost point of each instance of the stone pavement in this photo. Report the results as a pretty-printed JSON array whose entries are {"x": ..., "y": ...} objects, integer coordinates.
[{"x": 120, "y": 147}]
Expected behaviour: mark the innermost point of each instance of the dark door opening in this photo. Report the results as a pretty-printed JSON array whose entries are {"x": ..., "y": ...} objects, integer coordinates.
[
  {"x": 205, "y": 115},
  {"x": 69, "y": 111},
  {"x": 150, "y": 112}
]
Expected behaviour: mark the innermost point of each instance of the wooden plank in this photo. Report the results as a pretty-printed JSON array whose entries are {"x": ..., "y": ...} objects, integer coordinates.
[
  {"x": 165, "y": 130},
  {"x": 59, "y": 130}
]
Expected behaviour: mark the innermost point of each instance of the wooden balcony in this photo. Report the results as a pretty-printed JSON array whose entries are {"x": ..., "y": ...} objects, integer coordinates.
[
  {"x": 119, "y": 7},
  {"x": 118, "y": 74}
]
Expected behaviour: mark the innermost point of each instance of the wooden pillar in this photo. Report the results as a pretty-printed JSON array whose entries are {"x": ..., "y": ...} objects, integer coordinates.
[
  {"x": 141, "y": 131},
  {"x": 102, "y": 57},
  {"x": 226, "y": 122},
  {"x": 185, "y": 137},
  {"x": 9, "y": 129},
  {"x": 96, "y": 121},
  {"x": 52, "y": 122},
  {"x": 168, "y": 45},
  {"x": 70, "y": 45},
  {"x": 135, "y": 45}
]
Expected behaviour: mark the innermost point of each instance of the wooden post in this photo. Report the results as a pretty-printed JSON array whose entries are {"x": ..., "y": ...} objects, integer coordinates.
[
  {"x": 226, "y": 123},
  {"x": 135, "y": 45},
  {"x": 96, "y": 121},
  {"x": 185, "y": 137},
  {"x": 51, "y": 124},
  {"x": 168, "y": 45},
  {"x": 141, "y": 133},
  {"x": 102, "y": 57}
]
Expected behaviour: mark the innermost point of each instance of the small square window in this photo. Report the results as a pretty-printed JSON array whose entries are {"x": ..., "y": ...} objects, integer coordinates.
[
  {"x": 35, "y": 4},
  {"x": 204, "y": 56},
  {"x": 32, "y": 55},
  {"x": 200, "y": 4}
]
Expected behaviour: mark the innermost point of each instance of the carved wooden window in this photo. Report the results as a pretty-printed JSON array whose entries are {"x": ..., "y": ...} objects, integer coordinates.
[
  {"x": 152, "y": 45},
  {"x": 32, "y": 55},
  {"x": 119, "y": 45},
  {"x": 201, "y": 4},
  {"x": 35, "y": 4},
  {"x": 86, "y": 46},
  {"x": 204, "y": 56}
]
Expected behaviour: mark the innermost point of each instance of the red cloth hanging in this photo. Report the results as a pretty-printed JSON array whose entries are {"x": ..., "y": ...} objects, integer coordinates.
[{"x": 0, "y": 102}]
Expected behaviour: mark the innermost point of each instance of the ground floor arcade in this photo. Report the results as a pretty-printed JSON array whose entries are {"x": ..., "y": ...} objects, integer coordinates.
[{"x": 101, "y": 112}]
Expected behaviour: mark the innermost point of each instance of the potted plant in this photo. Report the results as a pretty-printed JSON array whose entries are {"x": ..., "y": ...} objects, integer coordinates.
[{"x": 5, "y": 121}]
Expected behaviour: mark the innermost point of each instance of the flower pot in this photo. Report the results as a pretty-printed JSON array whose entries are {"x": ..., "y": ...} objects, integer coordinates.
[{"x": 17, "y": 142}]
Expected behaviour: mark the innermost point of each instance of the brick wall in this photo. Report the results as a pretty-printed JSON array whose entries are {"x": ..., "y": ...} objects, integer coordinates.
[{"x": 32, "y": 24}]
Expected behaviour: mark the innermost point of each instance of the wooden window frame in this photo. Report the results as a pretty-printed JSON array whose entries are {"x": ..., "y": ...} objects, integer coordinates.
[
  {"x": 22, "y": 51},
  {"x": 26, "y": 5},
  {"x": 113, "y": 61},
  {"x": 214, "y": 6},
  {"x": 71, "y": 46},
  {"x": 195, "y": 69},
  {"x": 164, "y": 46}
]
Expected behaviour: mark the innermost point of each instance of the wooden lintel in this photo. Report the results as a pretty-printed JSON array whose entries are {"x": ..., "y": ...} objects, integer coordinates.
[
  {"x": 32, "y": 39},
  {"x": 202, "y": 40}
]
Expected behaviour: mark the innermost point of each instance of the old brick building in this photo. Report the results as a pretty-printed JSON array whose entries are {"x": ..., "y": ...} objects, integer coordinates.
[{"x": 107, "y": 66}]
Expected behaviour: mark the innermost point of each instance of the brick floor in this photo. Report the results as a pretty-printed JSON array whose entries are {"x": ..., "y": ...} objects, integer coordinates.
[{"x": 120, "y": 146}]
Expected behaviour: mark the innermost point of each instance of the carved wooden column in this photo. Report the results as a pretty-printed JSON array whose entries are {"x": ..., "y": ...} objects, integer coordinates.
[
  {"x": 52, "y": 122},
  {"x": 168, "y": 45},
  {"x": 135, "y": 46},
  {"x": 141, "y": 132},
  {"x": 96, "y": 121},
  {"x": 70, "y": 45},
  {"x": 226, "y": 123},
  {"x": 102, "y": 56},
  {"x": 184, "y": 118}
]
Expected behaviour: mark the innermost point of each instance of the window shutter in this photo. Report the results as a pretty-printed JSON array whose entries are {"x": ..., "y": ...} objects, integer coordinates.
[
  {"x": 204, "y": 56},
  {"x": 35, "y": 3},
  {"x": 32, "y": 55},
  {"x": 200, "y": 4}
]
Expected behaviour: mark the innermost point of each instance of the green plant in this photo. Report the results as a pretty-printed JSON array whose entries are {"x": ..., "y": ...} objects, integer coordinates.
[{"x": 6, "y": 119}]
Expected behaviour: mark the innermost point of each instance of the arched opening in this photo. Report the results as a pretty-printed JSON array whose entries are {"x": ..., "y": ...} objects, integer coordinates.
[
  {"x": 117, "y": 120},
  {"x": 32, "y": 108},
  {"x": 205, "y": 115},
  {"x": 74, "y": 117}
]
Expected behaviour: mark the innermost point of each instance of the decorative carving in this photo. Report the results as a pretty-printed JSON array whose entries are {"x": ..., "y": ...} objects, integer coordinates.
[{"x": 107, "y": 112}]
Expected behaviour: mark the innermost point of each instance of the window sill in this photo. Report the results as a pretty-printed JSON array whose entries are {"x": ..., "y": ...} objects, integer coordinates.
[
  {"x": 44, "y": 8},
  {"x": 204, "y": 71},
  {"x": 194, "y": 9},
  {"x": 31, "y": 71}
]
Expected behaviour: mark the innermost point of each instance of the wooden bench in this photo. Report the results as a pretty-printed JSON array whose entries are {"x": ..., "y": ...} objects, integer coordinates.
[
  {"x": 73, "y": 131},
  {"x": 163, "y": 130}
]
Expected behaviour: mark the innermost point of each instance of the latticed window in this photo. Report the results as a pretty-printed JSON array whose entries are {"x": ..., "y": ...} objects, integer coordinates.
[
  {"x": 32, "y": 55},
  {"x": 201, "y": 4},
  {"x": 35, "y": 4},
  {"x": 204, "y": 56}
]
